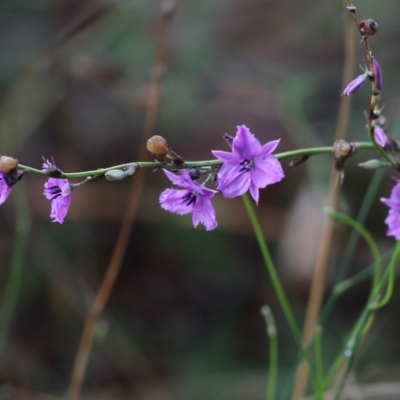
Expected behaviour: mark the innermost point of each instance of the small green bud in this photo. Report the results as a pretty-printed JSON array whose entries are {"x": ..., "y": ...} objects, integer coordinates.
[
  {"x": 372, "y": 165},
  {"x": 115, "y": 175}
]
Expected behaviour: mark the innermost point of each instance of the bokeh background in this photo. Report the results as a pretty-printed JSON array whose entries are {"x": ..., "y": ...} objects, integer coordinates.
[{"x": 183, "y": 320}]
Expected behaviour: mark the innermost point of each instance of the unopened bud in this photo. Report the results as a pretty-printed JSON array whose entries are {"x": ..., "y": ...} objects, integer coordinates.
[
  {"x": 343, "y": 149},
  {"x": 157, "y": 146},
  {"x": 8, "y": 164},
  {"x": 372, "y": 165},
  {"x": 115, "y": 175},
  {"x": 368, "y": 27}
]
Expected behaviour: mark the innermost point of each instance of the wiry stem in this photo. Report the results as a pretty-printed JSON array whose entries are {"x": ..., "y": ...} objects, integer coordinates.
[
  {"x": 312, "y": 151},
  {"x": 113, "y": 268},
  {"x": 324, "y": 247}
]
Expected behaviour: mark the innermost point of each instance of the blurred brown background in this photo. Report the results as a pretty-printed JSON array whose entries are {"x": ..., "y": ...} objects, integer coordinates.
[{"x": 183, "y": 321}]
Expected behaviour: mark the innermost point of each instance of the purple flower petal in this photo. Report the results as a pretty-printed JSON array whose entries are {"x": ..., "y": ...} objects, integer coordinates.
[
  {"x": 58, "y": 191},
  {"x": 393, "y": 219},
  {"x": 377, "y": 73},
  {"x": 250, "y": 166},
  {"x": 193, "y": 199},
  {"x": 5, "y": 190},
  {"x": 380, "y": 136},
  {"x": 355, "y": 84}
]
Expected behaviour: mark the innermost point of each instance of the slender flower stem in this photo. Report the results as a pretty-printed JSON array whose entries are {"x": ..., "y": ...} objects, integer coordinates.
[
  {"x": 280, "y": 292},
  {"x": 82, "y": 356},
  {"x": 360, "y": 327},
  {"x": 368, "y": 238},
  {"x": 189, "y": 164},
  {"x": 13, "y": 285},
  {"x": 392, "y": 270},
  {"x": 273, "y": 352}
]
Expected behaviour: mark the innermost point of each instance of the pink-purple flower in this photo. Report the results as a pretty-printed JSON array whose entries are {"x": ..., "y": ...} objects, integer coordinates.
[
  {"x": 381, "y": 137},
  {"x": 355, "y": 84},
  {"x": 393, "y": 219},
  {"x": 193, "y": 198},
  {"x": 377, "y": 73},
  {"x": 5, "y": 190},
  {"x": 250, "y": 165},
  {"x": 58, "y": 191}
]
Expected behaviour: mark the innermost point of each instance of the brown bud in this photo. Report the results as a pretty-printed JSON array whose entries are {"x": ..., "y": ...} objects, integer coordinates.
[
  {"x": 367, "y": 27},
  {"x": 157, "y": 146},
  {"x": 8, "y": 164},
  {"x": 342, "y": 150}
]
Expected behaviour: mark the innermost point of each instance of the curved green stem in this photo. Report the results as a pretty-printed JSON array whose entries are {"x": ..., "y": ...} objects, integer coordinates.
[
  {"x": 13, "y": 285},
  {"x": 273, "y": 352},
  {"x": 392, "y": 270},
  {"x": 280, "y": 292},
  {"x": 189, "y": 164},
  {"x": 368, "y": 238}
]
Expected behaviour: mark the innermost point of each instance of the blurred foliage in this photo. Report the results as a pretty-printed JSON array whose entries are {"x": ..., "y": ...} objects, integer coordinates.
[{"x": 184, "y": 318}]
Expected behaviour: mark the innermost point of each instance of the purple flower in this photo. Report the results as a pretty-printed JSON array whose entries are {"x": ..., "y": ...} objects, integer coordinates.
[
  {"x": 59, "y": 192},
  {"x": 250, "y": 166},
  {"x": 381, "y": 137},
  {"x": 377, "y": 73},
  {"x": 393, "y": 219},
  {"x": 193, "y": 199},
  {"x": 355, "y": 84},
  {"x": 5, "y": 190}
]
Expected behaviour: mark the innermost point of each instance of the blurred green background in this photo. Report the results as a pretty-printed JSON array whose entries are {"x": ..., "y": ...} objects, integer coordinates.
[{"x": 183, "y": 321}]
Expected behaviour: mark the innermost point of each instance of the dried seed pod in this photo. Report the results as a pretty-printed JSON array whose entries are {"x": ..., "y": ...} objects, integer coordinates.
[
  {"x": 368, "y": 27},
  {"x": 157, "y": 146},
  {"x": 8, "y": 164},
  {"x": 342, "y": 150}
]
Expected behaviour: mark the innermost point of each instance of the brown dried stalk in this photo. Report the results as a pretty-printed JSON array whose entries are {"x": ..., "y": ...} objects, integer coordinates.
[
  {"x": 324, "y": 248},
  {"x": 168, "y": 10}
]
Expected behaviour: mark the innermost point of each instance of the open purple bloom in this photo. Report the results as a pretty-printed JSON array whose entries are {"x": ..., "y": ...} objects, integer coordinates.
[
  {"x": 58, "y": 191},
  {"x": 381, "y": 137},
  {"x": 250, "y": 166},
  {"x": 193, "y": 199},
  {"x": 355, "y": 84},
  {"x": 5, "y": 190},
  {"x": 393, "y": 219},
  {"x": 377, "y": 73}
]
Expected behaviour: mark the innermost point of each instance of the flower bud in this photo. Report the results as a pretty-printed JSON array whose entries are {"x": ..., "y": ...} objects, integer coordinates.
[
  {"x": 368, "y": 27},
  {"x": 8, "y": 164},
  {"x": 377, "y": 74},
  {"x": 157, "y": 146},
  {"x": 355, "y": 84},
  {"x": 381, "y": 137},
  {"x": 115, "y": 175},
  {"x": 372, "y": 165}
]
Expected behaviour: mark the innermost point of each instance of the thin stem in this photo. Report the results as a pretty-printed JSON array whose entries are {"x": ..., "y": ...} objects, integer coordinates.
[
  {"x": 82, "y": 356},
  {"x": 319, "y": 366},
  {"x": 368, "y": 238},
  {"x": 360, "y": 327},
  {"x": 279, "y": 290},
  {"x": 273, "y": 352},
  {"x": 392, "y": 270},
  {"x": 14, "y": 281},
  {"x": 188, "y": 164}
]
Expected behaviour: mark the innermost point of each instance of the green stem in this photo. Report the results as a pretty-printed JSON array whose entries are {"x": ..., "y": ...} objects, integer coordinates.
[
  {"x": 273, "y": 352},
  {"x": 319, "y": 368},
  {"x": 189, "y": 164},
  {"x": 14, "y": 281},
  {"x": 368, "y": 238},
  {"x": 283, "y": 300},
  {"x": 392, "y": 270},
  {"x": 359, "y": 328}
]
